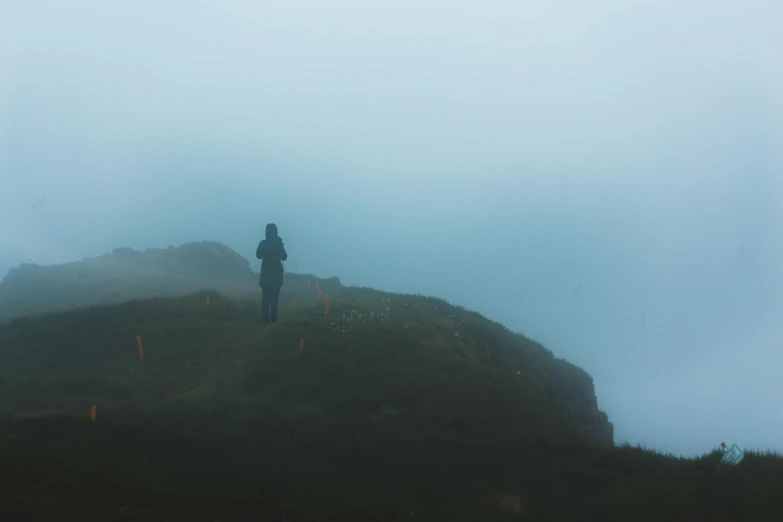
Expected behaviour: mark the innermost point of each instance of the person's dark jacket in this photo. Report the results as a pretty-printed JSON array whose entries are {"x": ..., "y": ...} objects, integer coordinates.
[{"x": 272, "y": 253}]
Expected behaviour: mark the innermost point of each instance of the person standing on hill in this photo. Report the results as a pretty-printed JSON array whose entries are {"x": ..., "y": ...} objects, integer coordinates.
[{"x": 272, "y": 254}]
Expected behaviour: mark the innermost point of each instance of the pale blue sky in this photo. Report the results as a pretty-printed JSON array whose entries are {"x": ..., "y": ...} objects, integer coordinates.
[{"x": 500, "y": 154}]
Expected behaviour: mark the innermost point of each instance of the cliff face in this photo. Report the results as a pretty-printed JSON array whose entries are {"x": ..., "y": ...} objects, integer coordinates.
[
  {"x": 568, "y": 394},
  {"x": 601, "y": 434},
  {"x": 593, "y": 424}
]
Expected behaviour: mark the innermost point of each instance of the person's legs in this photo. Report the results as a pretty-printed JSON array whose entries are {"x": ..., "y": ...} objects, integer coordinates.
[
  {"x": 274, "y": 299},
  {"x": 265, "y": 298}
]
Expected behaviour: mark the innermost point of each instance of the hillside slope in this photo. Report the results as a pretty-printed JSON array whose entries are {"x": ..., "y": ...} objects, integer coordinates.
[{"x": 397, "y": 365}]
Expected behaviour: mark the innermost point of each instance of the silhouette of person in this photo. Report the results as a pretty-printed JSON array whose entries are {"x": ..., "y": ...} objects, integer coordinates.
[{"x": 271, "y": 253}]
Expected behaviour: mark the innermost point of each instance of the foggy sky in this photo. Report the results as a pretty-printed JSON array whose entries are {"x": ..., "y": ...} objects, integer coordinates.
[{"x": 605, "y": 177}]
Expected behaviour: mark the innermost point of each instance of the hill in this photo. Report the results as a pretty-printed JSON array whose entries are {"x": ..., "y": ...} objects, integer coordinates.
[
  {"x": 122, "y": 275},
  {"x": 464, "y": 376},
  {"x": 396, "y": 407}
]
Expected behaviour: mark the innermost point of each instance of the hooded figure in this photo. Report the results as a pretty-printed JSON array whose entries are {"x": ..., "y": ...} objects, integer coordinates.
[{"x": 272, "y": 254}]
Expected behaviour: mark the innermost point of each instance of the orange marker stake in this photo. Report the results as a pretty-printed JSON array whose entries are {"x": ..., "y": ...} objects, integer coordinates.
[
  {"x": 309, "y": 284},
  {"x": 301, "y": 345},
  {"x": 326, "y": 304},
  {"x": 207, "y": 300},
  {"x": 317, "y": 285},
  {"x": 93, "y": 413},
  {"x": 141, "y": 348}
]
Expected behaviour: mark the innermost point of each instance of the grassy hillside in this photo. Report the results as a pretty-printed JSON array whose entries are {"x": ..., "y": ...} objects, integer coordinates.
[
  {"x": 464, "y": 377},
  {"x": 397, "y": 408}
]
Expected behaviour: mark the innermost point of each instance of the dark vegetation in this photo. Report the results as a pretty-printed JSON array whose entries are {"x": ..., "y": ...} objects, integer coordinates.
[{"x": 398, "y": 407}]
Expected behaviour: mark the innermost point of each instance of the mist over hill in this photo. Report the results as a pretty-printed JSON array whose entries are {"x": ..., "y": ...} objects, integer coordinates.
[{"x": 122, "y": 275}]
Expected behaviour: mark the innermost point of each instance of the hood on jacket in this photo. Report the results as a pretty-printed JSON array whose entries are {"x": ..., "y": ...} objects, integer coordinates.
[{"x": 271, "y": 231}]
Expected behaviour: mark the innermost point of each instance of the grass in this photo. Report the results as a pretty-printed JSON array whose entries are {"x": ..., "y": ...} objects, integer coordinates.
[{"x": 399, "y": 407}]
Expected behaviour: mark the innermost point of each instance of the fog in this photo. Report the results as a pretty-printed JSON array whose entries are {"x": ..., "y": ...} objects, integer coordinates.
[{"x": 605, "y": 177}]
